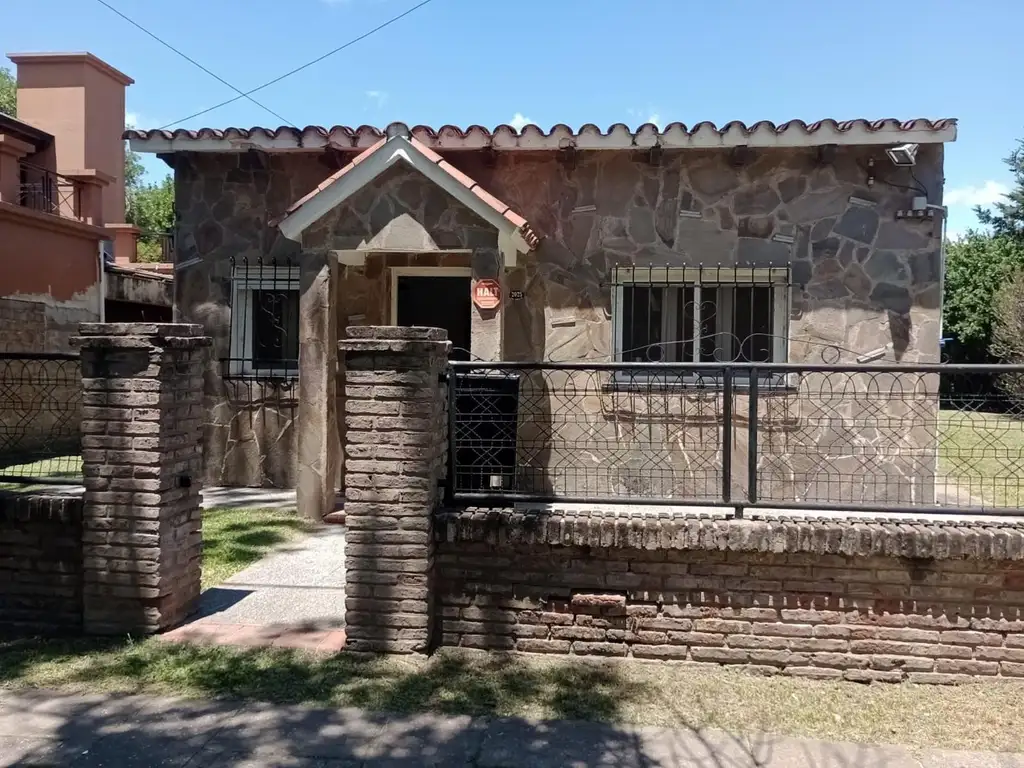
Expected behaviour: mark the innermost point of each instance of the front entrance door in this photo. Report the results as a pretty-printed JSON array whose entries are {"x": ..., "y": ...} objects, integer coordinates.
[{"x": 437, "y": 301}]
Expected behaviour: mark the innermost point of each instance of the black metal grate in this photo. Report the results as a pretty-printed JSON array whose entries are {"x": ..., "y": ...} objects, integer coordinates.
[
  {"x": 700, "y": 314},
  {"x": 44, "y": 190},
  {"x": 40, "y": 419},
  {"x": 829, "y": 437},
  {"x": 258, "y": 389},
  {"x": 264, "y": 319}
]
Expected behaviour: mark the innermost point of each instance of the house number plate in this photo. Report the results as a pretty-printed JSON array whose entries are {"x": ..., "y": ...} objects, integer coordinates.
[{"x": 515, "y": 295}]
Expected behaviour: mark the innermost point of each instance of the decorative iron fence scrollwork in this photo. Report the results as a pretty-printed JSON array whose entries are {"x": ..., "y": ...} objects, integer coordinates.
[{"x": 868, "y": 437}]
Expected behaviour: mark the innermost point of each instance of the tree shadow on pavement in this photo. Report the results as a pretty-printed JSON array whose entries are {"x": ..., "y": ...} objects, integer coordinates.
[{"x": 253, "y": 708}]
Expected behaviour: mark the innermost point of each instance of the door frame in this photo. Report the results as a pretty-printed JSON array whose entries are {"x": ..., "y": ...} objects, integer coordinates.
[{"x": 397, "y": 272}]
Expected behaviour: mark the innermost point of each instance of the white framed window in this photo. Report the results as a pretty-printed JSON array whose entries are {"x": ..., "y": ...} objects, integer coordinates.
[
  {"x": 701, "y": 315},
  {"x": 265, "y": 322}
]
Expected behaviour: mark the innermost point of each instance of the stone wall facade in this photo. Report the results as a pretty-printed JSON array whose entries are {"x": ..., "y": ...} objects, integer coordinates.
[
  {"x": 861, "y": 279},
  {"x": 857, "y": 600},
  {"x": 40, "y": 564}
]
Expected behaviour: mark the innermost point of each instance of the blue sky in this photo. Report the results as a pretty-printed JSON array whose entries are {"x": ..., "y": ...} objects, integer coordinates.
[{"x": 569, "y": 61}]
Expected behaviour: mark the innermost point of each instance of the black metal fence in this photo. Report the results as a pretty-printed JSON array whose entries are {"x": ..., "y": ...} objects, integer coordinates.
[
  {"x": 787, "y": 436},
  {"x": 40, "y": 419},
  {"x": 44, "y": 190}
]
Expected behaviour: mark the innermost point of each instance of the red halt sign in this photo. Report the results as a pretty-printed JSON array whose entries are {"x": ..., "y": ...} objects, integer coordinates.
[{"x": 487, "y": 294}]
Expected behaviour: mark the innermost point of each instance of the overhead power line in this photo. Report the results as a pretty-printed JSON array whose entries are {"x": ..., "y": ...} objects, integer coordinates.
[
  {"x": 307, "y": 65},
  {"x": 192, "y": 61}
]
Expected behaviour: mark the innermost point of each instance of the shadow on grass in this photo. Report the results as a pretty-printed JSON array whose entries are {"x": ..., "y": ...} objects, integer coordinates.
[
  {"x": 236, "y": 538},
  {"x": 407, "y": 711},
  {"x": 450, "y": 682}
]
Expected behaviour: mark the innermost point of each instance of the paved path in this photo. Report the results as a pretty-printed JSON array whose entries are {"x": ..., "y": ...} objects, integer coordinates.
[
  {"x": 293, "y": 598},
  {"x": 41, "y": 728}
]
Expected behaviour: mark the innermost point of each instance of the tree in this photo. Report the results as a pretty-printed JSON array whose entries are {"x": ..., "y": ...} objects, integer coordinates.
[
  {"x": 150, "y": 207},
  {"x": 133, "y": 169},
  {"x": 1008, "y": 217},
  {"x": 1008, "y": 333},
  {"x": 976, "y": 267},
  {"x": 8, "y": 93}
]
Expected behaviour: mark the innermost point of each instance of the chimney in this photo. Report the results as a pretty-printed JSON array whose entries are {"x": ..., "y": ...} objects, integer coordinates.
[{"x": 78, "y": 98}]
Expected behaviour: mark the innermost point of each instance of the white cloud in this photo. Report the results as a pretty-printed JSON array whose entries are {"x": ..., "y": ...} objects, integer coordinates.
[
  {"x": 649, "y": 115},
  {"x": 131, "y": 119},
  {"x": 519, "y": 121},
  {"x": 988, "y": 193},
  {"x": 380, "y": 97}
]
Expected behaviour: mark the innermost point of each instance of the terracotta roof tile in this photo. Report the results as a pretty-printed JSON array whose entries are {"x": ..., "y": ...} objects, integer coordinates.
[
  {"x": 327, "y": 182},
  {"x": 450, "y": 136},
  {"x": 514, "y": 218},
  {"x": 529, "y": 236}
]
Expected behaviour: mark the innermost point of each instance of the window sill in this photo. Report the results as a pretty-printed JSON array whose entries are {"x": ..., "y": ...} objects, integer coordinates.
[{"x": 240, "y": 370}]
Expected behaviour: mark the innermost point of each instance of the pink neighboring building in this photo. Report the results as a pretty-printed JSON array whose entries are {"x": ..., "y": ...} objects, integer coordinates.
[{"x": 62, "y": 206}]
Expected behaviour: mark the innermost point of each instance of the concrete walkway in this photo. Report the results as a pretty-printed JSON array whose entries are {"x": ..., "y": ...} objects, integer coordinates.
[
  {"x": 293, "y": 598},
  {"x": 41, "y": 728}
]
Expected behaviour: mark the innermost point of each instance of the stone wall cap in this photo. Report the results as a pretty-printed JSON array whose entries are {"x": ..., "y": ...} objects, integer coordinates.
[
  {"x": 425, "y": 349},
  {"x": 860, "y": 537},
  {"x": 140, "y": 336},
  {"x": 160, "y": 330},
  {"x": 396, "y": 333},
  {"x": 140, "y": 342}
]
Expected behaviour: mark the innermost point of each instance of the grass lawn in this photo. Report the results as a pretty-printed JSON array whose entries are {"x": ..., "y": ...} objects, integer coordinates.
[
  {"x": 236, "y": 538},
  {"x": 46, "y": 471},
  {"x": 977, "y": 716},
  {"x": 983, "y": 454}
]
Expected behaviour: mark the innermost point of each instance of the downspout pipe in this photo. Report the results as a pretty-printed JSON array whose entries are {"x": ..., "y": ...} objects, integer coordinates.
[
  {"x": 942, "y": 263},
  {"x": 103, "y": 282}
]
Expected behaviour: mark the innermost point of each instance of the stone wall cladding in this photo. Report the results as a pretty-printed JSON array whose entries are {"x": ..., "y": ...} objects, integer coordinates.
[
  {"x": 861, "y": 278},
  {"x": 396, "y": 425},
  {"x": 40, "y": 563},
  {"x": 141, "y": 438},
  {"x": 865, "y": 600}
]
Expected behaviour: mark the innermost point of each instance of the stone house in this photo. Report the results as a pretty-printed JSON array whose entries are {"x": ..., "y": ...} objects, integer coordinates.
[{"x": 801, "y": 243}]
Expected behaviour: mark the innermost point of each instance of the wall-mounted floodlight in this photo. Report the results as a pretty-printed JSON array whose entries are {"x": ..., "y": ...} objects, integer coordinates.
[{"x": 902, "y": 156}]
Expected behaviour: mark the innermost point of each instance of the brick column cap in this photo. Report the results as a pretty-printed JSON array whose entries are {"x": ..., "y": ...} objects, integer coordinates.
[
  {"x": 393, "y": 338},
  {"x": 135, "y": 335}
]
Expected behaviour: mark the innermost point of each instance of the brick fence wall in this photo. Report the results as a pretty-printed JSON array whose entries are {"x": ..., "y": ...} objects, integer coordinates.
[
  {"x": 40, "y": 563},
  {"x": 856, "y": 600},
  {"x": 125, "y": 556}
]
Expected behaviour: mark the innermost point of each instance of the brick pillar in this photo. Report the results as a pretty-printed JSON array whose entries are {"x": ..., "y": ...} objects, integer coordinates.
[
  {"x": 142, "y": 462},
  {"x": 396, "y": 441}
]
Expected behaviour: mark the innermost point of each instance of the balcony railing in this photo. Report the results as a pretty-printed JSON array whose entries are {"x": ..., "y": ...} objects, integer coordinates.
[
  {"x": 47, "y": 191},
  {"x": 156, "y": 247}
]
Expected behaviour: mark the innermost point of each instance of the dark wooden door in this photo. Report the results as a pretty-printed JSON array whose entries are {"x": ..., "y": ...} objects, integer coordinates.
[{"x": 441, "y": 301}]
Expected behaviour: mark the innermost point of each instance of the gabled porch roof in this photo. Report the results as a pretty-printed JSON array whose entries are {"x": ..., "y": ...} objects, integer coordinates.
[{"x": 512, "y": 228}]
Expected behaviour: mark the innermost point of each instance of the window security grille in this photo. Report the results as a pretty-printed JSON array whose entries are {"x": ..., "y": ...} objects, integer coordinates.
[
  {"x": 701, "y": 314},
  {"x": 265, "y": 319}
]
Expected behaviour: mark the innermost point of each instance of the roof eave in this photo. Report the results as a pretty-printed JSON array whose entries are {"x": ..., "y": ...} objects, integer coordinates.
[{"x": 794, "y": 134}]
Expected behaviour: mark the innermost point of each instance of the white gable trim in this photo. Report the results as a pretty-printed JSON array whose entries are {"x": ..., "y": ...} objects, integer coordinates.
[{"x": 399, "y": 149}]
